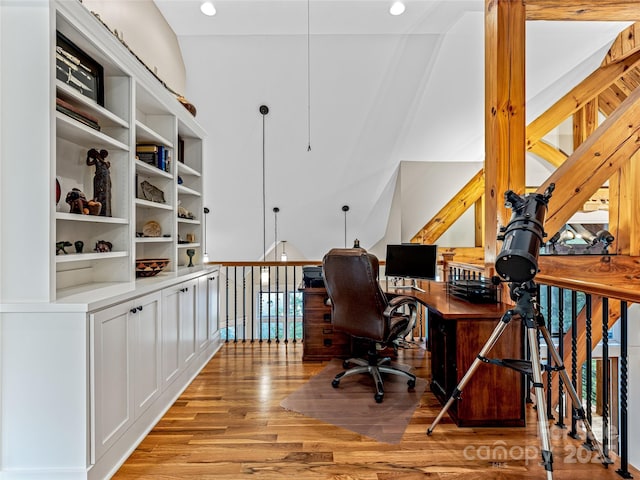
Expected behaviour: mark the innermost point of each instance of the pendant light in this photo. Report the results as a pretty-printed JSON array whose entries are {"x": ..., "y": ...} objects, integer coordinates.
[
  {"x": 345, "y": 209},
  {"x": 205, "y": 255},
  {"x": 264, "y": 274},
  {"x": 275, "y": 233}
]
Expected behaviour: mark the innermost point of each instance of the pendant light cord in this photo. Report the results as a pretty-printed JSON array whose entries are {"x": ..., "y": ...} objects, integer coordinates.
[
  {"x": 264, "y": 199},
  {"x": 308, "y": 76}
]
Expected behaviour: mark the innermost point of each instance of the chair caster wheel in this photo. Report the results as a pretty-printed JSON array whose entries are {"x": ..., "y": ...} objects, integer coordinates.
[
  {"x": 335, "y": 383},
  {"x": 345, "y": 364},
  {"x": 378, "y": 397},
  {"x": 411, "y": 383}
]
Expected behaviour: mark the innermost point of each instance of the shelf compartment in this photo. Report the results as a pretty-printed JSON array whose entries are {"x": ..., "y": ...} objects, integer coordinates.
[
  {"x": 81, "y": 257},
  {"x": 148, "y": 204},
  {"x": 188, "y": 245},
  {"x": 187, "y": 170},
  {"x": 153, "y": 239},
  {"x": 104, "y": 116},
  {"x": 187, "y": 191},
  {"x": 76, "y": 132},
  {"x": 145, "y": 134},
  {"x": 150, "y": 170},
  {"x": 187, "y": 220},
  {"x": 75, "y": 217}
]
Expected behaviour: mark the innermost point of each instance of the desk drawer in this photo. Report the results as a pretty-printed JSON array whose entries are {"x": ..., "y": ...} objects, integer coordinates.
[
  {"x": 316, "y": 301},
  {"x": 317, "y": 318},
  {"x": 315, "y": 333}
]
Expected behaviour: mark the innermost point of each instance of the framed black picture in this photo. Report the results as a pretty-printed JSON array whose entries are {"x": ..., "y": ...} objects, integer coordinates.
[
  {"x": 79, "y": 70},
  {"x": 180, "y": 149}
]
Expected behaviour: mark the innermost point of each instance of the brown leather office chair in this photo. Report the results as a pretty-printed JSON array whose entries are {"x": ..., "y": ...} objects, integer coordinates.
[{"x": 360, "y": 308}]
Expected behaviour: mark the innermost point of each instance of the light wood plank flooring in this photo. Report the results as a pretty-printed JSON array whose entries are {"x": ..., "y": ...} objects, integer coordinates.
[{"x": 229, "y": 425}]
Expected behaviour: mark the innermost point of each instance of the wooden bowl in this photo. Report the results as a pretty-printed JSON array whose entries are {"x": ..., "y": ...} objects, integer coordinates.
[{"x": 149, "y": 267}]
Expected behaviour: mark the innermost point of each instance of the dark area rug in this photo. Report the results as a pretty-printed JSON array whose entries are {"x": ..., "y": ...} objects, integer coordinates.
[{"x": 352, "y": 405}]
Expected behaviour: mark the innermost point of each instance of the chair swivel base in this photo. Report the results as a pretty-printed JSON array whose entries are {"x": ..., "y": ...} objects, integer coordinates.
[{"x": 375, "y": 369}]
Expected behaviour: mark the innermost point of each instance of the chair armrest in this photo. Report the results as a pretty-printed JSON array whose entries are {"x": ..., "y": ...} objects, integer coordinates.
[
  {"x": 397, "y": 302},
  {"x": 401, "y": 324}
]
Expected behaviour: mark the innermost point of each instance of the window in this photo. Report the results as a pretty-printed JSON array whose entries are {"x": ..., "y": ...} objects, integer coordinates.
[{"x": 280, "y": 315}]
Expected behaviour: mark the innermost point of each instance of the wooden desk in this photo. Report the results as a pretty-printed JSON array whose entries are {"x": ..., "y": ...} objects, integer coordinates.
[
  {"x": 457, "y": 332},
  {"x": 319, "y": 340}
]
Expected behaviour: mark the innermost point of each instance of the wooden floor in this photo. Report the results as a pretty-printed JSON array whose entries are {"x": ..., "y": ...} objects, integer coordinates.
[{"x": 229, "y": 425}]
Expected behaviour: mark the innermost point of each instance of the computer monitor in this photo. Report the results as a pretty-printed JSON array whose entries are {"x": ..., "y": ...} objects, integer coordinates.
[{"x": 411, "y": 260}]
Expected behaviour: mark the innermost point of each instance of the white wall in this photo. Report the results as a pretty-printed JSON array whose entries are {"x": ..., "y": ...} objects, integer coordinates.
[
  {"x": 422, "y": 189},
  {"x": 142, "y": 27}
]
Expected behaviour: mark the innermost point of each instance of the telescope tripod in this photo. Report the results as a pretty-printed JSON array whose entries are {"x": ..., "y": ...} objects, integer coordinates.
[{"x": 526, "y": 309}]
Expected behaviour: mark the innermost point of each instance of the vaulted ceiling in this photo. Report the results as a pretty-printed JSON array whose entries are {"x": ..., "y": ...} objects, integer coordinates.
[{"x": 365, "y": 90}]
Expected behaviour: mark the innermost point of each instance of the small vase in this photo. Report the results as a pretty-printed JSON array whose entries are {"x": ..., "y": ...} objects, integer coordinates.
[{"x": 190, "y": 253}]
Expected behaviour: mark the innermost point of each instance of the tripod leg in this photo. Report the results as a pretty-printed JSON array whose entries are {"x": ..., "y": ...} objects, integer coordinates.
[
  {"x": 577, "y": 403},
  {"x": 506, "y": 318},
  {"x": 543, "y": 423}
]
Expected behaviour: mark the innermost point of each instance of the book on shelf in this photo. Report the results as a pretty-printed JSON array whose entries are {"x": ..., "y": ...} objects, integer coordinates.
[
  {"x": 77, "y": 114},
  {"x": 156, "y": 155}
]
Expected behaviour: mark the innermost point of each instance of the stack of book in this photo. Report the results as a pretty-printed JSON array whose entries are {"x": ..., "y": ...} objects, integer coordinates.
[
  {"x": 77, "y": 114},
  {"x": 156, "y": 155}
]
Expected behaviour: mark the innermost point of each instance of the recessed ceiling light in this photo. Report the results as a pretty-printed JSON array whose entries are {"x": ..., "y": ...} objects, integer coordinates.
[
  {"x": 208, "y": 9},
  {"x": 397, "y": 8}
]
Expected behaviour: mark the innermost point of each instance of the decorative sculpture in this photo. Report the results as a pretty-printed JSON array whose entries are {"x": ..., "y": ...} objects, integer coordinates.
[
  {"x": 79, "y": 244},
  {"x": 101, "y": 180},
  {"x": 60, "y": 247},
  {"x": 151, "y": 192},
  {"x": 190, "y": 253},
  {"x": 103, "y": 246}
]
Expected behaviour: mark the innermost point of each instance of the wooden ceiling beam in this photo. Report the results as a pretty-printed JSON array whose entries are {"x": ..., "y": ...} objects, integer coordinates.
[
  {"x": 608, "y": 101},
  {"x": 441, "y": 221},
  {"x": 587, "y": 90},
  {"x": 594, "y": 10},
  {"x": 548, "y": 152},
  {"x": 594, "y": 162},
  {"x": 625, "y": 44},
  {"x": 504, "y": 114},
  {"x": 585, "y": 121}
]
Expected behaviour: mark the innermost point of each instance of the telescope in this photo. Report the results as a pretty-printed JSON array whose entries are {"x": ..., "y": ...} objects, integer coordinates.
[{"x": 523, "y": 235}]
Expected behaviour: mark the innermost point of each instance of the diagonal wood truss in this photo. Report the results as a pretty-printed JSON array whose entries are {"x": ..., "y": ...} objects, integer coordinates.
[
  {"x": 601, "y": 154},
  {"x": 605, "y": 152}
]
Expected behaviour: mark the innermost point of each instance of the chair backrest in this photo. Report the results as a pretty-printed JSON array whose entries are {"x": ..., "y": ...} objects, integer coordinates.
[{"x": 357, "y": 301}]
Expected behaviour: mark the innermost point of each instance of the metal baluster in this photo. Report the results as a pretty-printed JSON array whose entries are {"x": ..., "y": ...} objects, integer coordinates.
[
  {"x": 605, "y": 376},
  {"x": 560, "y": 422},
  {"x": 623, "y": 471},
  {"x": 277, "y": 311},
  {"x": 589, "y": 368},
  {"x": 244, "y": 305},
  {"x": 253, "y": 308},
  {"x": 549, "y": 360},
  {"x": 286, "y": 305},
  {"x": 261, "y": 307},
  {"x": 295, "y": 291},
  {"x": 268, "y": 306},
  {"x": 226, "y": 296},
  {"x": 574, "y": 360},
  {"x": 235, "y": 303}
]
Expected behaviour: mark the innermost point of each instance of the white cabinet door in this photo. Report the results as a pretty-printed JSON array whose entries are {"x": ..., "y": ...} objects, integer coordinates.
[
  {"x": 188, "y": 309},
  {"x": 213, "y": 284},
  {"x": 202, "y": 334},
  {"x": 170, "y": 333},
  {"x": 147, "y": 378},
  {"x": 112, "y": 362}
]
